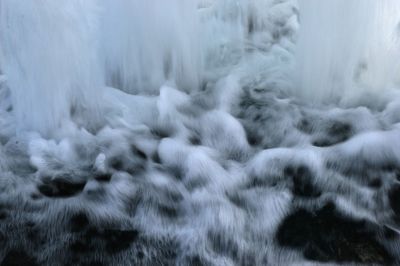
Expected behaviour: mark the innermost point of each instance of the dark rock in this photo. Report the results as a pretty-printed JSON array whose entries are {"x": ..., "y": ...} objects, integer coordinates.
[
  {"x": 257, "y": 118},
  {"x": 117, "y": 240},
  {"x": 171, "y": 212},
  {"x": 18, "y": 258},
  {"x": 92, "y": 263},
  {"x": 140, "y": 254},
  {"x": 397, "y": 173},
  {"x": 302, "y": 184},
  {"x": 36, "y": 196},
  {"x": 161, "y": 133},
  {"x": 223, "y": 244},
  {"x": 249, "y": 259},
  {"x": 336, "y": 133},
  {"x": 238, "y": 200},
  {"x": 276, "y": 35},
  {"x": 86, "y": 242},
  {"x": 253, "y": 137},
  {"x": 139, "y": 153},
  {"x": 97, "y": 193},
  {"x": 196, "y": 261},
  {"x": 305, "y": 126},
  {"x": 156, "y": 158},
  {"x": 116, "y": 163},
  {"x": 258, "y": 182},
  {"x": 394, "y": 199},
  {"x": 390, "y": 233},
  {"x": 30, "y": 224},
  {"x": 113, "y": 240},
  {"x": 323, "y": 143},
  {"x": 290, "y": 232},
  {"x": 341, "y": 130},
  {"x": 126, "y": 163},
  {"x": 175, "y": 196},
  {"x": 103, "y": 177},
  {"x": 195, "y": 140},
  {"x": 195, "y": 183},
  {"x": 289, "y": 170},
  {"x": 3, "y": 214},
  {"x": 169, "y": 254},
  {"x": 302, "y": 181},
  {"x": 316, "y": 253},
  {"x": 81, "y": 246},
  {"x": 32, "y": 232},
  {"x": 375, "y": 183},
  {"x": 61, "y": 188},
  {"x": 326, "y": 235},
  {"x": 79, "y": 222},
  {"x": 390, "y": 167}
]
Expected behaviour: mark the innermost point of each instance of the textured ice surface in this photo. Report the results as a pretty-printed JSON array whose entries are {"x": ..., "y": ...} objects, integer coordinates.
[{"x": 237, "y": 172}]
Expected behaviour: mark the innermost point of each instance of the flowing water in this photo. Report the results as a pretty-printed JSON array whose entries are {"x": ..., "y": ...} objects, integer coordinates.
[
  {"x": 58, "y": 58},
  {"x": 50, "y": 59},
  {"x": 346, "y": 48},
  {"x": 199, "y": 132}
]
